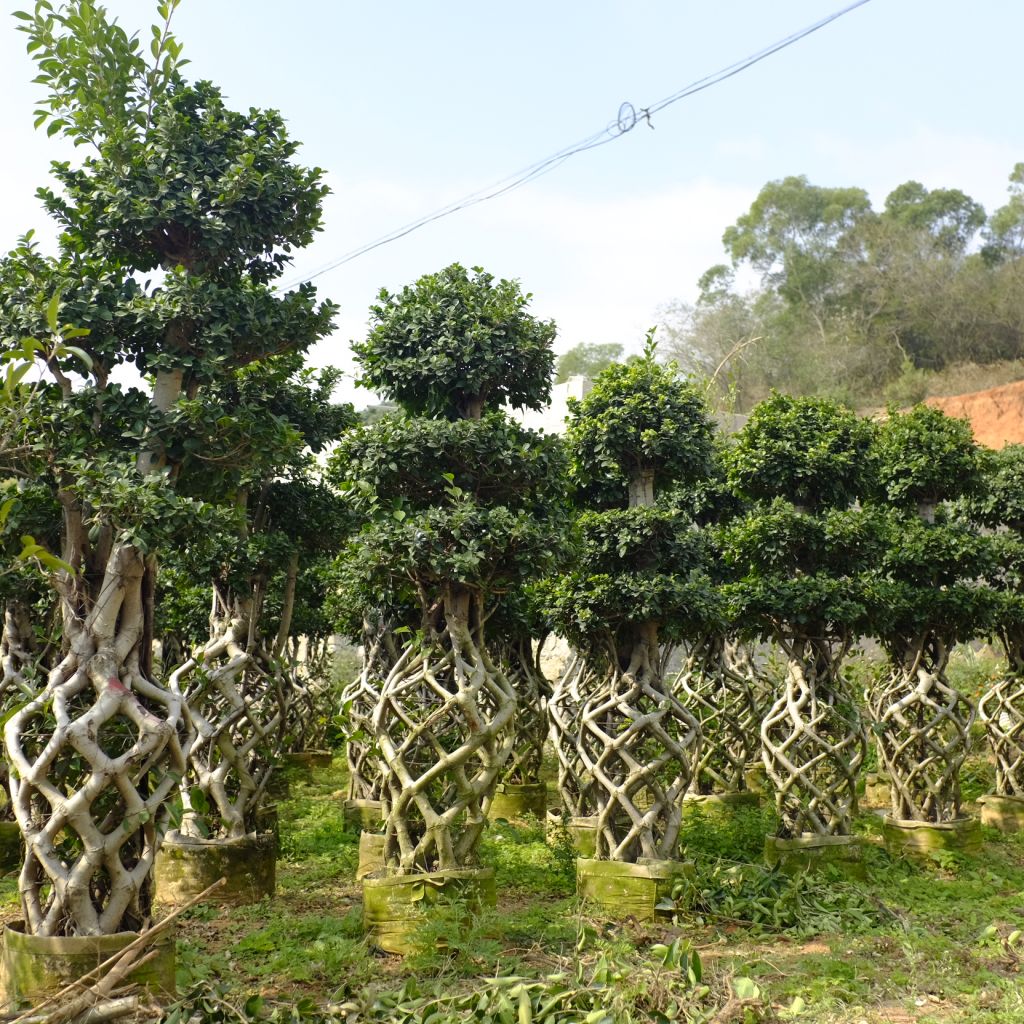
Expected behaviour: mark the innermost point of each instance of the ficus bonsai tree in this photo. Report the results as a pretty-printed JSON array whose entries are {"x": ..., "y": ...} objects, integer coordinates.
[
  {"x": 932, "y": 595},
  {"x": 802, "y": 555},
  {"x": 462, "y": 505},
  {"x": 635, "y": 584},
  {"x": 174, "y": 222},
  {"x": 271, "y": 419}
]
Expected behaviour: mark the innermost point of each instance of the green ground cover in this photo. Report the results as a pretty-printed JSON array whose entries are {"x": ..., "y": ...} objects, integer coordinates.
[{"x": 929, "y": 942}]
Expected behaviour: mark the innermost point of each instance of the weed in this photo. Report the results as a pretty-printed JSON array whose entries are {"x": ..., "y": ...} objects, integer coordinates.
[
  {"x": 735, "y": 835},
  {"x": 769, "y": 899}
]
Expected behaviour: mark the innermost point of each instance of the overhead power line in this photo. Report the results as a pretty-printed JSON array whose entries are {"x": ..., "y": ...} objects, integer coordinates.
[{"x": 626, "y": 120}]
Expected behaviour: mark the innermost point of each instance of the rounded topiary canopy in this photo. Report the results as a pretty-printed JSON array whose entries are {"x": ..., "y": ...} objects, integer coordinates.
[
  {"x": 640, "y": 418},
  {"x": 810, "y": 451},
  {"x": 933, "y": 562},
  {"x": 471, "y": 503},
  {"x": 923, "y": 457},
  {"x": 454, "y": 341},
  {"x": 999, "y": 500}
]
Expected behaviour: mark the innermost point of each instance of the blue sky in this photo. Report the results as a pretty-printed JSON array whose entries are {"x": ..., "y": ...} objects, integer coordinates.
[{"x": 409, "y": 105}]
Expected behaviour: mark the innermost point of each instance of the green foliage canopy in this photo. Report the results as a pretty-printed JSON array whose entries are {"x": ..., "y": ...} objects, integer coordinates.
[
  {"x": 454, "y": 341},
  {"x": 640, "y": 418},
  {"x": 812, "y": 452}
]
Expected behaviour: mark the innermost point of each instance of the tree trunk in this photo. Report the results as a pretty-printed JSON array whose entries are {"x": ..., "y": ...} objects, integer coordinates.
[
  {"x": 235, "y": 695},
  {"x": 639, "y": 743},
  {"x": 442, "y": 727},
  {"x": 565, "y": 713},
  {"x": 360, "y": 697},
  {"x": 641, "y": 488},
  {"x": 813, "y": 743},
  {"x": 722, "y": 701},
  {"x": 923, "y": 726},
  {"x": 1001, "y": 708},
  {"x": 530, "y": 724},
  {"x": 97, "y": 754}
]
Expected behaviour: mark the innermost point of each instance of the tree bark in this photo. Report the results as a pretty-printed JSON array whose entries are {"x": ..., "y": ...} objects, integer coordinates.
[
  {"x": 128, "y": 738},
  {"x": 442, "y": 728}
]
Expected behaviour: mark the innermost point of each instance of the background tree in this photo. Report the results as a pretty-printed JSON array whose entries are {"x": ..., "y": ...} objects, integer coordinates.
[
  {"x": 586, "y": 360},
  {"x": 855, "y": 304}
]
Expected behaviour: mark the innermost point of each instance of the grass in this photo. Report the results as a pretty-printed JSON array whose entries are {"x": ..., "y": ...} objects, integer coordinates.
[
  {"x": 922, "y": 942},
  {"x": 918, "y": 942}
]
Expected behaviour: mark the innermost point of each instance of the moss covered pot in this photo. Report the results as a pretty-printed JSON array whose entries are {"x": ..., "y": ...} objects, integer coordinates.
[
  {"x": 363, "y": 814},
  {"x": 1005, "y": 813},
  {"x": 185, "y": 868},
  {"x": 371, "y": 854},
  {"x": 37, "y": 966},
  {"x": 513, "y": 802},
  {"x": 756, "y": 778},
  {"x": 278, "y": 787},
  {"x": 582, "y": 832},
  {"x": 720, "y": 805},
  {"x": 268, "y": 819},
  {"x": 396, "y": 906},
  {"x": 877, "y": 790},
  {"x": 10, "y": 847},
  {"x": 920, "y": 838},
  {"x": 309, "y": 759},
  {"x": 584, "y": 835},
  {"x": 809, "y": 852},
  {"x": 619, "y": 890},
  {"x": 301, "y": 764}
]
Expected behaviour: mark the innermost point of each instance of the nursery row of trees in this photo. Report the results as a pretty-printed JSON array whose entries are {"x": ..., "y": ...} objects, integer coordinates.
[
  {"x": 648, "y": 533},
  {"x": 167, "y": 542},
  {"x": 855, "y": 303}
]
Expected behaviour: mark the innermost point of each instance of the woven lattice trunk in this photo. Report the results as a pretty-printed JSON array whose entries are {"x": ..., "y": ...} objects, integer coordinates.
[
  {"x": 442, "y": 726},
  {"x": 923, "y": 727},
  {"x": 1001, "y": 708},
  {"x": 639, "y": 743},
  {"x": 309, "y": 696},
  {"x": 717, "y": 690},
  {"x": 360, "y": 698},
  {"x": 813, "y": 743},
  {"x": 17, "y": 654},
  {"x": 530, "y": 724},
  {"x": 96, "y": 756},
  {"x": 575, "y": 783},
  {"x": 18, "y": 681},
  {"x": 236, "y": 702}
]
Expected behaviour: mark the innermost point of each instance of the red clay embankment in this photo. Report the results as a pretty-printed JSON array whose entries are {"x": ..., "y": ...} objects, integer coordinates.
[{"x": 995, "y": 415}]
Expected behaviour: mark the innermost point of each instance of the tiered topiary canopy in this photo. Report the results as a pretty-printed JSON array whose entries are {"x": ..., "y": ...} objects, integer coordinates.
[
  {"x": 637, "y": 583},
  {"x": 804, "y": 554}
]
